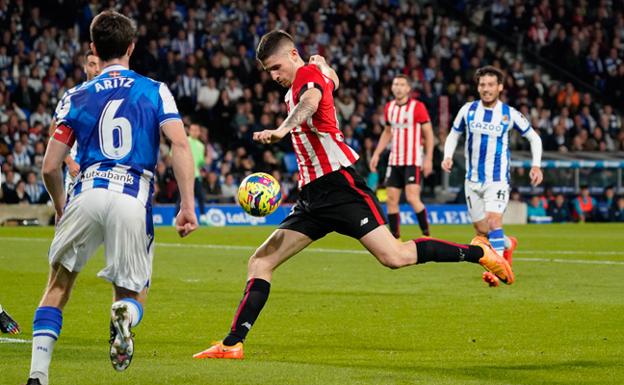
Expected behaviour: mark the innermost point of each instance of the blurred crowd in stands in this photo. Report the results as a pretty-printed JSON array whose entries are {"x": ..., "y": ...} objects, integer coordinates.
[
  {"x": 204, "y": 51},
  {"x": 559, "y": 208},
  {"x": 583, "y": 37}
]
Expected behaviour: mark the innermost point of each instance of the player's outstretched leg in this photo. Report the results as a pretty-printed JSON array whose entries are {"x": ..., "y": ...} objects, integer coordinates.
[
  {"x": 394, "y": 254},
  {"x": 126, "y": 313},
  {"x": 280, "y": 246},
  {"x": 7, "y": 323}
]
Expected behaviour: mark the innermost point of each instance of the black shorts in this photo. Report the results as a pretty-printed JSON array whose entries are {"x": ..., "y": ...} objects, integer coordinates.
[
  {"x": 400, "y": 176},
  {"x": 339, "y": 201}
]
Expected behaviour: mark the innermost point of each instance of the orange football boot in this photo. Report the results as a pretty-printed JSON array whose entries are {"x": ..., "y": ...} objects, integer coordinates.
[
  {"x": 218, "y": 350},
  {"x": 490, "y": 279},
  {"x": 493, "y": 262}
]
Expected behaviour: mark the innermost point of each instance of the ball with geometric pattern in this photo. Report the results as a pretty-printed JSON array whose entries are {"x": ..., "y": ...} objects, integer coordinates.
[{"x": 259, "y": 194}]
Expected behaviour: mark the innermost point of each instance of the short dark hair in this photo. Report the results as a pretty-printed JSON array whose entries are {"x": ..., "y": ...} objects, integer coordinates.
[
  {"x": 271, "y": 42},
  {"x": 88, "y": 53},
  {"x": 402, "y": 76},
  {"x": 112, "y": 33},
  {"x": 489, "y": 71}
]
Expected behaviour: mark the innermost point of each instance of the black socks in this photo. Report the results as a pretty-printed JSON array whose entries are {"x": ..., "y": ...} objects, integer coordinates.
[
  {"x": 394, "y": 220},
  {"x": 423, "y": 222},
  {"x": 436, "y": 250},
  {"x": 255, "y": 296}
]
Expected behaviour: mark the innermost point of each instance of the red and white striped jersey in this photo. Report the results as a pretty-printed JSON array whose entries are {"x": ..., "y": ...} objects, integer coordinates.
[
  {"x": 318, "y": 143},
  {"x": 405, "y": 121}
]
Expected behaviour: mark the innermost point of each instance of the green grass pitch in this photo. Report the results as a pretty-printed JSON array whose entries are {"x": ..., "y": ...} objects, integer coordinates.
[{"x": 335, "y": 316}]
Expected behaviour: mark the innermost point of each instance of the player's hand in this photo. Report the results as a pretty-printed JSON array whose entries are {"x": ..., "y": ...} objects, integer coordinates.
[
  {"x": 268, "y": 136},
  {"x": 74, "y": 168},
  {"x": 318, "y": 60},
  {"x": 427, "y": 167},
  {"x": 447, "y": 164},
  {"x": 186, "y": 222},
  {"x": 373, "y": 163},
  {"x": 536, "y": 175}
]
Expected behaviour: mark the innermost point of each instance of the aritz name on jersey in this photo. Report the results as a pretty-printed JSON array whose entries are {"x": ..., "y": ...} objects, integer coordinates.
[
  {"x": 486, "y": 128},
  {"x": 125, "y": 178},
  {"x": 111, "y": 83}
]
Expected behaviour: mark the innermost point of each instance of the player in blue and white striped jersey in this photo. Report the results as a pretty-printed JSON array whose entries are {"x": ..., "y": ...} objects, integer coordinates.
[
  {"x": 487, "y": 123},
  {"x": 116, "y": 118}
]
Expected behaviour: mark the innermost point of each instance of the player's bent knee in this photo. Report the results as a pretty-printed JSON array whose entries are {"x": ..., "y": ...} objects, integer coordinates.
[{"x": 259, "y": 264}]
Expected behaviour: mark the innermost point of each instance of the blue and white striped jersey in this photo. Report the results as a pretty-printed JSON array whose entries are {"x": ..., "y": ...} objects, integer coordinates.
[
  {"x": 487, "y": 139},
  {"x": 115, "y": 119}
]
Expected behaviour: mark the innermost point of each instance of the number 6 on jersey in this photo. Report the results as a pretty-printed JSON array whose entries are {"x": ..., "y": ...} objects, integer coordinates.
[{"x": 115, "y": 133}]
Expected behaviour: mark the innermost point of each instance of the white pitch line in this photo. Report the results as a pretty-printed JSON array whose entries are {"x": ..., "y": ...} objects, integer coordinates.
[
  {"x": 346, "y": 251},
  {"x": 13, "y": 341},
  {"x": 343, "y": 251}
]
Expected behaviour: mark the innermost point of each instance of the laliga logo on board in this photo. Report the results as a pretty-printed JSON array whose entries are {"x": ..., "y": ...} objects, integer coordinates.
[
  {"x": 242, "y": 218},
  {"x": 216, "y": 217}
]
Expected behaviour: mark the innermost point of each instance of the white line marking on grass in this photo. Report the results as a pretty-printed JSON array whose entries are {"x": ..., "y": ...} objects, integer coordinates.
[
  {"x": 346, "y": 251},
  {"x": 25, "y": 239},
  {"x": 13, "y": 341}
]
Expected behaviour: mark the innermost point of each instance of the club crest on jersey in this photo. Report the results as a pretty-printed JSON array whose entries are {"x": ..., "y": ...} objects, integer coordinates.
[
  {"x": 340, "y": 137},
  {"x": 505, "y": 118},
  {"x": 114, "y": 74}
]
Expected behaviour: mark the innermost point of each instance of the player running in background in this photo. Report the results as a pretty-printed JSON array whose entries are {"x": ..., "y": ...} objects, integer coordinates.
[
  {"x": 8, "y": 324},
  {"x": 91, "y": 68},
  {"x": 407, "y": 121},
  {"x": 116, "y": 118},
  {"x": 487, "y": 123},
  {"x": 333, "y": 196}
]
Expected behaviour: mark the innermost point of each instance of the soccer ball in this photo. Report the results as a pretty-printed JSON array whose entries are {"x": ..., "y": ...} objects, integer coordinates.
[{"x": 259, "y": 194}]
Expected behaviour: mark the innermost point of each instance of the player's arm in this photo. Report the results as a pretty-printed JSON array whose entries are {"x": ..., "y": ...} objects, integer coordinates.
[
  {"x": 52, "y": 172},
  {"x": 320, "y": 62},
  {"x": 429, "y": 143},
  {"x": 522, "y": 125},
  {"x": 535, "y": 141},
  {"x": 459, "y": 126},
  {"x": 449, "y": 149},
  {"x": 306, "y": 107},
  {"x": 72, "y": 165},
  {"x": 183, "y": 169},
  {"x": 384, "y": 139}
]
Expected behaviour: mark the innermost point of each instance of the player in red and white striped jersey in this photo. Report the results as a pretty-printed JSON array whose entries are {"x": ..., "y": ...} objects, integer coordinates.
[
  {"x": 407, "y": 122},
  {"x": 333, "y": 196}
]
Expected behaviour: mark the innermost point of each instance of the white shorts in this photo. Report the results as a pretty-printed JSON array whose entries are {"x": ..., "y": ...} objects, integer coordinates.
[
  {"x": 119, "y": 222},
  {"x": 486, "y": 197}
]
